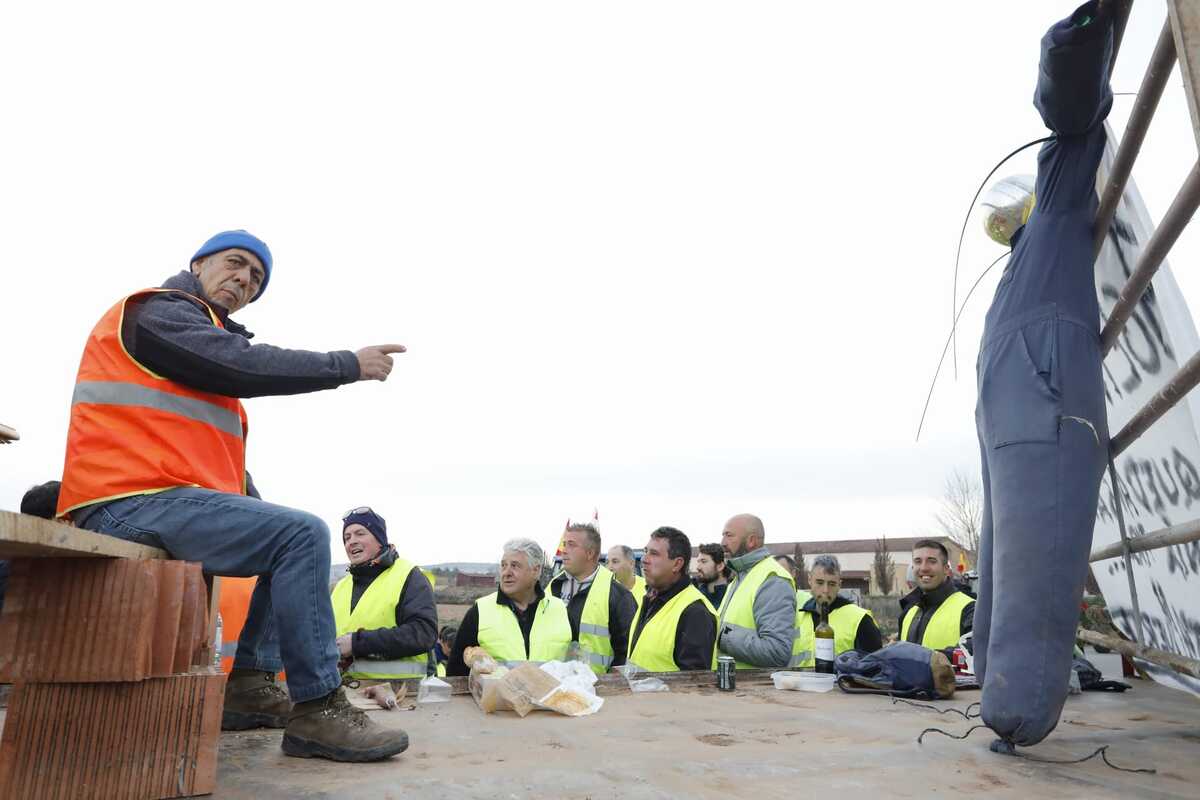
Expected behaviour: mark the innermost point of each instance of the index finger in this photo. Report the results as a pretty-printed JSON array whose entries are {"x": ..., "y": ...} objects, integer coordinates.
[{"x": 391, "y": 348}]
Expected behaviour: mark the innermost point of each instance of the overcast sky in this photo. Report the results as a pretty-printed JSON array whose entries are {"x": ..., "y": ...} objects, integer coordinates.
[{"x": 673, "y": 261}]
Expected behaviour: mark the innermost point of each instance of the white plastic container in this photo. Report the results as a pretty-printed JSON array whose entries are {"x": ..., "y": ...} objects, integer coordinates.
[{"x": 804, "y": 681}]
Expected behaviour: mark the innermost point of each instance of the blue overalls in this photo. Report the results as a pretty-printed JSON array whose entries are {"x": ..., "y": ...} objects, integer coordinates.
[{"x": 1043, "y": 432}]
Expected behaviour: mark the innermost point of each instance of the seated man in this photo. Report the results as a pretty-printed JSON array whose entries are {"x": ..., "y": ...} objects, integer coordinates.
[
  {"x": 712, "y": 576},
  {"x": 383, "y": 608},
  {"x": 519, "y": 622},
  {"x": 938, "y": 613},
  {"x": 156, "y": 453},
  {"x": 621, "y": 563},
  {"x": 853, "y": 627},
  {"x": 600, "y": 609},
  {"x": 675, "y": 627},
  {"x": 758, "y": 613}
]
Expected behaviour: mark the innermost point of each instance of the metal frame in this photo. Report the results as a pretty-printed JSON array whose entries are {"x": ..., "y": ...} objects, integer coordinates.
[{"x": 1178, "y": 41}]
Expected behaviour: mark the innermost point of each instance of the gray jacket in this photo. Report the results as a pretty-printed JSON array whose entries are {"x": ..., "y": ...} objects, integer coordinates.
[{"x": 770, "y": 644}]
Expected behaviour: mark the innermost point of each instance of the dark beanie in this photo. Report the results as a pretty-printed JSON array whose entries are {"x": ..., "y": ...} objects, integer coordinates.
[
  {"x": 369, "y": 520},
  {"x": 228, "y": 240}
]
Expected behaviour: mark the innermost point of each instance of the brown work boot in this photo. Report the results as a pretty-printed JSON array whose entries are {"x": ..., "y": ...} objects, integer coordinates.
[
  {"x": 329, "y": 727},
  {"x": 254, "y": 700}
]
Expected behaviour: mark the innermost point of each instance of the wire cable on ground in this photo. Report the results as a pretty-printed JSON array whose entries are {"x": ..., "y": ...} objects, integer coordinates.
[
  {"x": 1004, "y": 747},
  {"x": 965, "y": 714}
]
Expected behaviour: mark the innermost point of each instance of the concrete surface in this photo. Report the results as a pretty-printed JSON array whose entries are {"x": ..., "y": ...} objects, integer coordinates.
[
  {"x": 754, "y": 744},
  {"x": 757, "y": 743}
]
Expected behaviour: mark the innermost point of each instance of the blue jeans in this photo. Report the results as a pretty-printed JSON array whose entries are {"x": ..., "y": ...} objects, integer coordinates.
[{"x": 290, "y": 611}]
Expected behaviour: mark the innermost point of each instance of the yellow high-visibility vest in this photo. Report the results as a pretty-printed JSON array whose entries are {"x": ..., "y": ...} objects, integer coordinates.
[
  {"x": 376, "y": 609},
  {"x": 844, "y": 620},
  {"x": 737, "y": 607},
  {"x": 594, "y": 637},
  {"x": 500, "y": 633},
  {"x": 655, "y": 650},
  {"x": 942, "y": 631}
]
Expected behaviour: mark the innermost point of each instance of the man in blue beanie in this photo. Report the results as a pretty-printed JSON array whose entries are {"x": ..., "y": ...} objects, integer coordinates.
[{"x": 156, "y": 454}]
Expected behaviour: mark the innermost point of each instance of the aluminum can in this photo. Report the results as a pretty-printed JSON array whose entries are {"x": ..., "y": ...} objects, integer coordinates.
[{"x": 726, "y": 674}]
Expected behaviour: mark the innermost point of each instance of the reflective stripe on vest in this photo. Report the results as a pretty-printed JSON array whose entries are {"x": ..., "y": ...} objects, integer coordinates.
[
  {"x": 942, "y": 631},
  {"x": 376, "y": 608},
  {"x": 844, "y": 620},
  {"x": 593, "y": 623},
  {"x": 737, "y": 607},
  {"x": 135, "y": 432},
  {"x": 655, "y": 650},
  {"x": 500, "y": 633}
]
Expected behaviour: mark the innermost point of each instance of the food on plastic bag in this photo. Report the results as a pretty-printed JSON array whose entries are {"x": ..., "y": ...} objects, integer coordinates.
[
  {"x": 433, "y": 690},
  {"x": 478, "y": 660},
  {"x": 556, "y": 686}
]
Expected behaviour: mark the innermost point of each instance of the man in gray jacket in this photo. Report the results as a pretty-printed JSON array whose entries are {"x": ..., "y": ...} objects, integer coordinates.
[
  {"x": 758, "y": 613},
  {"x": 198, "y": 359}
]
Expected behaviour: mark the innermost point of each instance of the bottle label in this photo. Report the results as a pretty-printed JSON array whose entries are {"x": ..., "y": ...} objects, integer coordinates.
[{"x": 824, "y": 649}]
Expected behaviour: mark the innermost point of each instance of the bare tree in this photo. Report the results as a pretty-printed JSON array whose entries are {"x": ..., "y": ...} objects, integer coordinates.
[
  {"x": 961, "y": 514},
  {"x": 801, "y": 568},
  {"x": 884, "y": 566}
]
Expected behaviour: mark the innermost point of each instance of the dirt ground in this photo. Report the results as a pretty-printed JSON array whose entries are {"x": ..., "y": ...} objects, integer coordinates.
[
  {"x": 757, "y": 743},
  {"x": 450, "y": 614}
]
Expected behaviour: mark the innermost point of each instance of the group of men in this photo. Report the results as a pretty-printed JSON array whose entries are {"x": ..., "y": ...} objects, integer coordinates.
[{"x": 156, "y": 454}]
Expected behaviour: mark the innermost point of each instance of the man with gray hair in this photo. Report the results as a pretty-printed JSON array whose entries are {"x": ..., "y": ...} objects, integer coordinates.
[
  {"x": 518, "y": 622},
  {"x": 600, "y": 609},
  {"x": 853, "y": 627},
  {"x": 758, "y": 613}
]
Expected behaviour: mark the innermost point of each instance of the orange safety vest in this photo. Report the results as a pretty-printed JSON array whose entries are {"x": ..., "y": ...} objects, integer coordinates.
[
  {"x": 234, "y": 607},
  {"x": 135, "y": 432}
]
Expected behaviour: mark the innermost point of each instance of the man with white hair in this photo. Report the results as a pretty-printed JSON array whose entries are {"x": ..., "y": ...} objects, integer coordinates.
[{"x": 518, "y": 622}]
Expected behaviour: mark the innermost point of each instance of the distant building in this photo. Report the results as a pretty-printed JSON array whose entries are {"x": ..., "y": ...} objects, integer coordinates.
[
  {"x": 474, "y": 579},
  {"x": 857, "y": 557}
]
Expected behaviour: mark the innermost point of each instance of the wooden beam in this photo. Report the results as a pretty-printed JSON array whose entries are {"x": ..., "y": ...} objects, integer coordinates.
[
  {"x": 8, "y": 434},
  {"x": 23, "y": 536},
  {"x": 1172, "y": 661},
  {"x": 613, "y": 684},
  {"x": 1185, "y": 21}
]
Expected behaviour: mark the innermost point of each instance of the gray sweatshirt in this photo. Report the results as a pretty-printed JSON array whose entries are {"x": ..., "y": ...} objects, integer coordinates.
[{"x": 770, "y": 643}]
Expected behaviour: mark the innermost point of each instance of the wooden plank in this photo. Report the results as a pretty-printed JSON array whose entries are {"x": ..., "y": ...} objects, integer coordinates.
[
  {"x": 23, "y": 536},
  {"x": 1173, "y": 661},
  {"x": 8, "y": 434},
  {"x": 614, "y": 684},
  {"x": 147, "y": 740},
  {"x": 1185, "y": 22}
]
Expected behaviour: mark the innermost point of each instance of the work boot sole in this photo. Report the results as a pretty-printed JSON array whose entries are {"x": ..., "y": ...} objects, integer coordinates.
[
  {"x": 245, "y": 720},
  {"x": 303, "y": 748}
]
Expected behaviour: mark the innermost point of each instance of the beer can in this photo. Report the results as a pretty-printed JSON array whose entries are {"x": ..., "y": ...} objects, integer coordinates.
[{"x": 726, "y": 674}]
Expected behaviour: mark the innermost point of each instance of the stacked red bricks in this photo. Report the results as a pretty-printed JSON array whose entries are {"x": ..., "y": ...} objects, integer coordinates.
[{"x": 113, "y": 694}]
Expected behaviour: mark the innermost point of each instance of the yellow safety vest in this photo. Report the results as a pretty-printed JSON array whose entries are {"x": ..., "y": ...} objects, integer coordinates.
[
  {"x": 655, "y": 651},
  {"x": 594, "y": 638},
  {"x": 639, "y": 588},
  {"x": 943, "y": 630},
  {"x": 376, "y": 609},
  {"x": 500, "y": 633},
  {"x": 844, "y": 620},
  {"x": 737, "y": 607},
  {"x": 802, "y": 597}
]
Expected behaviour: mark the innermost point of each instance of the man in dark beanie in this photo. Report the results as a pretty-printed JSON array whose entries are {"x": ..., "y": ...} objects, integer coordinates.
[
  {"x": 384, "y": 608},
  {"x": 156, "y": 453}
]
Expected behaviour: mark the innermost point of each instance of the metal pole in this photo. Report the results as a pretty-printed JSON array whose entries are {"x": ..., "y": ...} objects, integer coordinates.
[
  {"x": 1137, "y": 608},
  {"x": 1173, "y": 223},
  {"x": 1164, "y": 537},
  {"x": 1162, "y": 402},
  {"x": 1173, "y": 661},
  {"x": 1153, "y": 83}
]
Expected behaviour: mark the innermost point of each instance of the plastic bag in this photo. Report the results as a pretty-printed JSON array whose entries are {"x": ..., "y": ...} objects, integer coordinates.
[
  {"x": 433, "y": 690},
  {"x": 639, "y": 685}
]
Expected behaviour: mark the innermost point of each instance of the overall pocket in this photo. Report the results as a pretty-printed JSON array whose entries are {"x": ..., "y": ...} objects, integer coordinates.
[{"x": 1019, "y": 390}]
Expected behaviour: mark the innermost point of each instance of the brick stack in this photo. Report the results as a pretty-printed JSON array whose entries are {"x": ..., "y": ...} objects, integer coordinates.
[{"x": 114, "y": 696}]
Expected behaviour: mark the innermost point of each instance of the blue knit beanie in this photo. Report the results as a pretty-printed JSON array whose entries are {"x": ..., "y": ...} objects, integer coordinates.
[
  {"x": 227, "y": 240},
  {"x": 369, "y": 520}
]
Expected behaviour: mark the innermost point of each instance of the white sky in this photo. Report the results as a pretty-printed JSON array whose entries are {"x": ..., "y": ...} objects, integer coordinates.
[{"x": 671, "y": 260}]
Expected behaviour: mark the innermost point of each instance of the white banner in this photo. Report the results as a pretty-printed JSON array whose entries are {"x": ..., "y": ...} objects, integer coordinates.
[{"x": 1159, "y": 475}]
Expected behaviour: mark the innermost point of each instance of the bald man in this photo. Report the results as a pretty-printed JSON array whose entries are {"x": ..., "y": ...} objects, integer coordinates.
[{"x": 758, "y": 613}]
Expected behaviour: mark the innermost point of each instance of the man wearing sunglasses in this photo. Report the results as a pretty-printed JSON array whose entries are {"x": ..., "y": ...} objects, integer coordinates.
[
  {"x": 156, "y": 454},
  {"x": 384, "y": 608}
]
